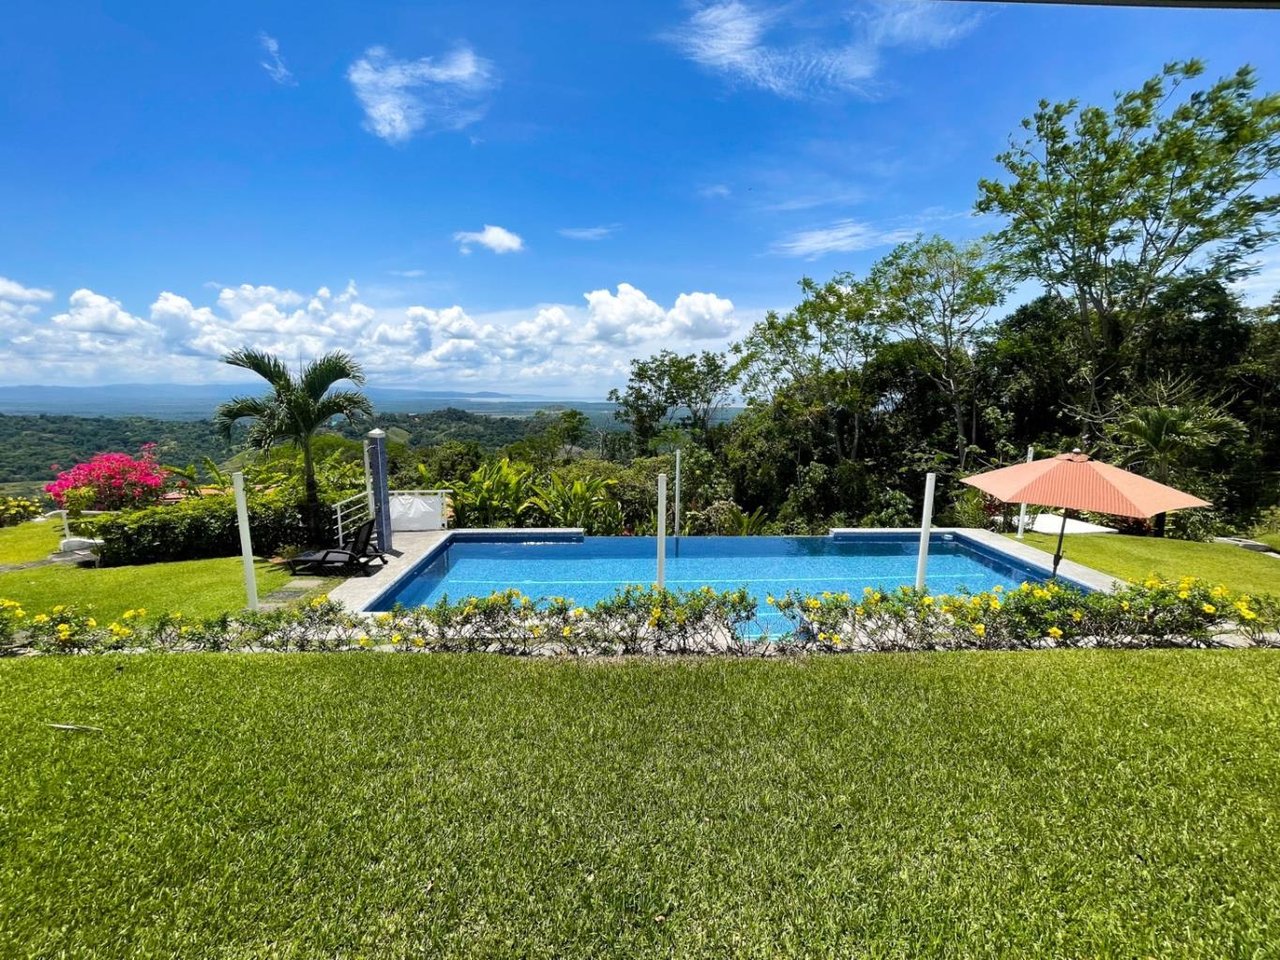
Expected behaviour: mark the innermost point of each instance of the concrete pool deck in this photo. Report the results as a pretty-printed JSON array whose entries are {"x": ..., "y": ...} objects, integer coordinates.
[{"x": 359, "y": 593}]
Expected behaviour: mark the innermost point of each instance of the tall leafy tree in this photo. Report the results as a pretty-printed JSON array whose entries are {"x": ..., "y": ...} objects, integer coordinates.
[
  {"x": 297, "y": 406},
  {"x": 664, "y": 386},
  {"x": 1109, "y": 207},
  {"x": 939, "y": 293},
  {"x": 810, "y": 360}
]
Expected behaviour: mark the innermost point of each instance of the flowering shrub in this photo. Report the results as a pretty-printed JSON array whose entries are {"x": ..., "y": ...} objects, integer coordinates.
[
  {"x": 14, "y": 510},
  {"x": 1154, "y": 613},
  {"x": 643, "y": 620},
  {"x": 11, "y": 620},
  {"x": 116, "y": 480}
]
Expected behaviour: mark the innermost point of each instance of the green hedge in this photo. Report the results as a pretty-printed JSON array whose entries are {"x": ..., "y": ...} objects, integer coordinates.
[{"x": 201, "y": 527}]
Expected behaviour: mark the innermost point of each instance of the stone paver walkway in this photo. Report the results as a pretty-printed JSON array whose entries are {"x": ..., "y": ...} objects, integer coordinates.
[{"x": 295, "y": 589}]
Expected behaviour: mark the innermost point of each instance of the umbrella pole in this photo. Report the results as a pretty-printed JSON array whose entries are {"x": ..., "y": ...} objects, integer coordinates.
[{"x": 1057, "y": 557}]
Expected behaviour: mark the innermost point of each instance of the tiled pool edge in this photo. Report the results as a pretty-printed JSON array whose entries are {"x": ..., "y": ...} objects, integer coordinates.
[
  {"x": 359, "y": 594},
  {"x": 1039, "y": 560}
]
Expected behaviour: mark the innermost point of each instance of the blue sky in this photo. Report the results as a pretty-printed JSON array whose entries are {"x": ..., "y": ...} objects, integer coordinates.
[{"x": 505, "y": 196}]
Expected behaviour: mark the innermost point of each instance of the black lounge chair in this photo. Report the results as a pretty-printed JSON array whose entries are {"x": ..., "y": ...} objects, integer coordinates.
[{"x": 357, "y": 555}]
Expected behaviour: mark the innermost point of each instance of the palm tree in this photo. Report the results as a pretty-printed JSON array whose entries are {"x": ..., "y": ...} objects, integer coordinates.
[{"x": 296, "y": 408}]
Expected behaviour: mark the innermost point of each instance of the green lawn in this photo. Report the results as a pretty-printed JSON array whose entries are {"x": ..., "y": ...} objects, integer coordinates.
[
  {"x": 29, "y": 541},
  {"x": 1048, "y": 804},
  {"x": 1133, "y": 558},
  {"x": 195, "y": 588},
  {"x": 1270, "y": 539}
]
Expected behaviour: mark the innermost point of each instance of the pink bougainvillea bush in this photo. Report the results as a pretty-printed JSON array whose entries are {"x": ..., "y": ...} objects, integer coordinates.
[{"x": 114, "y": 480}]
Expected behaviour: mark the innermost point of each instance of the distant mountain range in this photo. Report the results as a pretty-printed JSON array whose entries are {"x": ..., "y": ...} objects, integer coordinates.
[{"x": 181, "y": 401}]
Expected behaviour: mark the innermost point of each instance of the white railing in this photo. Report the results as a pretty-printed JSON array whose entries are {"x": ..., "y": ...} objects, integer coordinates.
[
  {"x": 352, "y": 512},
  {"x": 419, "y": 509}
]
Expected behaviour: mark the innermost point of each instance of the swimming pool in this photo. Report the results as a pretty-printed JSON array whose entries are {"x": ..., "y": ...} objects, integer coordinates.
[{"x": 589, "y": 569}]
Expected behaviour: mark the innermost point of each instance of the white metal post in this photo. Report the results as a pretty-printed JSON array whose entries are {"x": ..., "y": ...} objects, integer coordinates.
[
  {"x": 677, "y": 491},
  {"x": 246, "y": 543},
  {"x": 926, "y": 522},
  {"x": 662, "y": 530},
  {"x": 1022, "y": 511}
]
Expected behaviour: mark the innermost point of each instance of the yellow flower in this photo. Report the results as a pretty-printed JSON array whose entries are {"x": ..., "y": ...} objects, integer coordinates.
[
  {"x": 567, "y": 631},
  {"x": 1077, "y": 616},
  {"x": 537, "y": 631},
  {"x": 1151, "y": 583},
  {"x": 59, "y": 608},
  {"x": 813, "y": 603},
  {"x": 396, "y": 638},
  {"x": 1184, "y": 595},
  {"x": 1208, "y": 608},
  {"x": 1218, "y": 592},
  {"x": 927, "y": 601},
  {"x": 997, "y": 589},
  {"x": 364, "y": 641},
  {"x": 980, "y": 629},
  {"x": 858, "y": 610},
  {"x": 577, "y": 612},
  {"x": 419, "y": 642},
  {"x": 1054, "y": 632},
  {"x": 40, "y": 618},
  {"x": 769, "y": 599},
  {"x": 127, "y": 615},
  {"x": 91, "y": 623},
  {"x": 1124, "y": 605}
]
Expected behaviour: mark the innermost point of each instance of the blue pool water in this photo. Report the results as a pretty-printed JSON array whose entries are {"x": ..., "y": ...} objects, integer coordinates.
[{"x": 588, "y": 569}]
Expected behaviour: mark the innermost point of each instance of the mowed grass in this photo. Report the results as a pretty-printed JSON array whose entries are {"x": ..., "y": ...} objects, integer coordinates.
[
  {"x": 29, "y": 541},
  {"x": 1135, "y": 558},
  {"x": 194, "y": 588},
  {"x": 1061, "y": 803}
]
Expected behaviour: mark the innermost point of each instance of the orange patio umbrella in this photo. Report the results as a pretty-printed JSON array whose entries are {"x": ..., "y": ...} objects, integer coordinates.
[{"x": 1071, "y": 481}]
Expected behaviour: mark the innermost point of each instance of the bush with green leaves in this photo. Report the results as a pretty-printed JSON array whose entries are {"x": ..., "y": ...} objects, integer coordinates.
[
  {"x": 15, "y": 510},
  {"x": 584, "y": 503},
  {"x": 1151, "y": 614},
  {"x": 638, "y": 620},
  {"x": 201, "y": 527}
]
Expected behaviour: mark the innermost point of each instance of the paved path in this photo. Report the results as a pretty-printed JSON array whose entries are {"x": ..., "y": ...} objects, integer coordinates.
[{"x": 295, "y": 589}]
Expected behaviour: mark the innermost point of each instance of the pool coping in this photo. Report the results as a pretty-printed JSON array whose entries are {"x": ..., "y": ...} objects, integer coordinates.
[{"x": 359, "y": 594}]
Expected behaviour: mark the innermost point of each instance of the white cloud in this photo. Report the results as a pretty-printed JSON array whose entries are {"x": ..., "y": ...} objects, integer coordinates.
[
  {"x": 274, "y": 65},
  {"x": 715, "y": 191},
  {"x": 625, "y": 317},
  {"x": 702, "y": 316},
  {"x": 579, "y": 349},
  {"x": 93, "y": 313},
  {"x": 12, "y": 290},
  {"x": 403, "y": 97},
  {"x": 588, "y": 233},
  {"x": 497, "y": 239},
  {"x": 843, "y": 236},
  {"x": 408, "y": 274},
  {"x": 630, "y": 317},
  {"x": 758, "y": 47}
]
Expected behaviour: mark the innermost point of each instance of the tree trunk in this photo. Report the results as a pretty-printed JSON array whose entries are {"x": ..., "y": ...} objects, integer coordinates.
[
  {"x": 312, "y": 518},
  {"x": 962, "y": 445}
]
